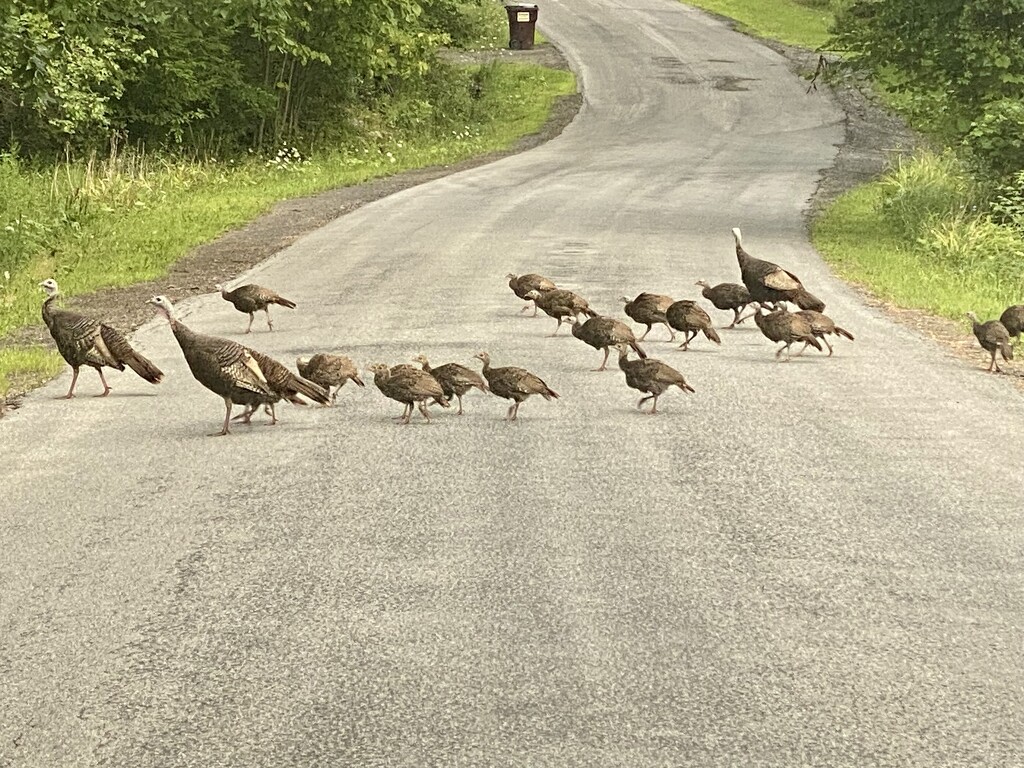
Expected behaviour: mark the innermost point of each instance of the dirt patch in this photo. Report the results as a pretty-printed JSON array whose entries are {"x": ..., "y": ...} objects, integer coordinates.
[{"x": 873, "y": 138}]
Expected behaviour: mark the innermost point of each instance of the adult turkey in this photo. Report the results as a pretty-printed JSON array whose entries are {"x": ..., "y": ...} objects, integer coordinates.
[
  {"x": 650, "y": 375},
  {"x": 561, "y": 304},
  {"x": 252, "y": 298},
  {"x": 993, "y": 337},
  {"x": 521, "y": 285},
  {"x": 604, "y": 333},
  {"x": 516, "y": 384},
  {"x": 1013, "y": 320},
  {"x": 726, "y": 296},
  {"x": 224, "y": 367},
  {"x": 770, "y": 283},
  {"x": 781, "y": 325},
  {"x": 455, "y": 379},
  {"x": 329, "y": 371},
  {"x": 82, "y": 341},
  {"x": 409, "y": 385},
  {"x": 821, "y": 326},
  {"x": 286, "y": 385},
  {"x": 649, "y": 309},
  {"x": 687, "y": 316}
]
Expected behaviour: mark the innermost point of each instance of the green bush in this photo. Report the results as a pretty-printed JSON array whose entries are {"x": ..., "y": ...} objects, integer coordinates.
[
  {"x": 997, "y": 137},
  {"x": 927, "y": 188}
]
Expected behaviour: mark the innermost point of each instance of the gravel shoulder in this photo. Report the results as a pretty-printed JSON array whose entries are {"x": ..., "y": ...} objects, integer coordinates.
[{"x": 873, "y": 138}]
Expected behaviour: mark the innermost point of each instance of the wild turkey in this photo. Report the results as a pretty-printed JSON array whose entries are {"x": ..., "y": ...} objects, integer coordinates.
[
  {"x": 408, "y": 385},
  {"x": 84, "y": 341},
  {"x": 514, "y": 384},
  {"x": 286, "y": 385},
  {"x": 604, "y": 333},
  {"x": 727, "y": 296},
  {"x": 822, "y": 326},
  {"x": 651, "y": 376},
  {"x": 768, "y": 282},
  {"x": 648, "y": 309},
  {"x": 781, "y": 325},
  {"x": 1013, "y": 320},
  {"x": 252, "y": 298},
  {"x": 521, "y": 285},
  {"x": 687, "y": 316},
  {"x": 328, "y": 371},
  {"x": 993, "y": 337},
  {"x": 561, "y": 304},
  {"x": 455, "y": 379},
  {"x": 223, "y": 366}
]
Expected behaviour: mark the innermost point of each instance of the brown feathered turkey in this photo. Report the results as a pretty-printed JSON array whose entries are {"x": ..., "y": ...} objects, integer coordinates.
[
  {"x": 223, "y": 366},
  {"x": 516, "y": 384},
  {"x": 1013, "y": 320},
  {"x": 781, "y": 325},
  {"x": 329, "y": 371},
  {"x": 768, "y": 282},
  {"x": 821, "y": 326},
  {"x": 286, "y": 385},
  {"x": 561, "y": 304},
  {"x": 651, "y": 376},
  {"x": 602, "y": 333},
  {"x": 521, "y": 286},
  {"x": 649, "y": 309},
  {"x": 252, "y": 298},
  {"x": 454, "y": 378},
  {"x": 726, "y": 296},
  {"x": 687, "y": 316},
  {"x": 994, "y": 338},
  {"x": 409, "y": 385},
  {"x": 82, "y": 341}
]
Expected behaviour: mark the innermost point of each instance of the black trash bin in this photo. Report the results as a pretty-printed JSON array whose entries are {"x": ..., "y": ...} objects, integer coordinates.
[{"x": 522, "y": 20}]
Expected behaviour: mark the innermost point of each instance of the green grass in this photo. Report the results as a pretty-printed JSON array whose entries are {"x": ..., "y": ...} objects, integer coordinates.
[
  {"x": 129, "y": 218},
  {"x": 24, "y": 367},
  {"x": 800, "y": 24},
  {"x": 871, "y": 250}
]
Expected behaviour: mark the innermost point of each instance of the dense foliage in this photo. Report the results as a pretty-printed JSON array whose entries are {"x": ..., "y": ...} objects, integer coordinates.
[
  {"x": 224, "y": 73},
  {"x": 957, "y": 64}
]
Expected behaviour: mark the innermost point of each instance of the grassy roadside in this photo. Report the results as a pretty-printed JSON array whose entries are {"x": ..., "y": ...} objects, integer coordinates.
[
  {"x": 128, "y": 218},
  {"x": 803, "y": 24}
]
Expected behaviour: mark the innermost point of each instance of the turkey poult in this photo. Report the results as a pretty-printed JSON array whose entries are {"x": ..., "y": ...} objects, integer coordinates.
[
  {"x": 561, "y": 304},
  {"x": 9, "y": 403},
  {"x": 455, "y": 379},
  {"x": 84, "y": 341},
  {"x": 329, "y": 371},
  {"x": 223, "y": 366},
  {"x": 781, "y": 325},
  {"x": 993, "y": 337},
  {"x": 770, "y": 283},
  {"x": 649, "y": 309},
  {"x": 687, "y": 316},
  {"x": 515, "y": 384},
  {"x": 286, "y": 385},
  {"x": 253, "y": 298},
  {"x": 650, "y": 376},
  {"x": 1013, "y": 320},
  {"x": 521, "y": 285},
  {"x": 604, "y": 333},
  {"x": 409, "y": 385},
  {"x": 821, "y": 326},
  {"x": 726, "y": 296}
]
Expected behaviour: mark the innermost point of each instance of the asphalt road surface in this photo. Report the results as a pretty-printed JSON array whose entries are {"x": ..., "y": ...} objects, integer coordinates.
[{"x": 812, "y": 563}]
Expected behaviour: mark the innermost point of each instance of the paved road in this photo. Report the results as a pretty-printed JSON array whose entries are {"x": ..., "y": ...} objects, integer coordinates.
[{"x": 816, "y": 563}]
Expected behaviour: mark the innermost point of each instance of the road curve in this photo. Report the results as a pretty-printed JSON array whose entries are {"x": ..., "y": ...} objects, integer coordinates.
[{"x": 809, "y": 563}]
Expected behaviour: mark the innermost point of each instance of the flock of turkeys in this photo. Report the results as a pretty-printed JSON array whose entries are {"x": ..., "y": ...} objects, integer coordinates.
[{"x": 244, "y": 376}]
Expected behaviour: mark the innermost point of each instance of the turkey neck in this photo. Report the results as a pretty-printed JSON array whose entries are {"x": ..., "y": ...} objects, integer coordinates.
[{"x": 48, "y": 310}]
